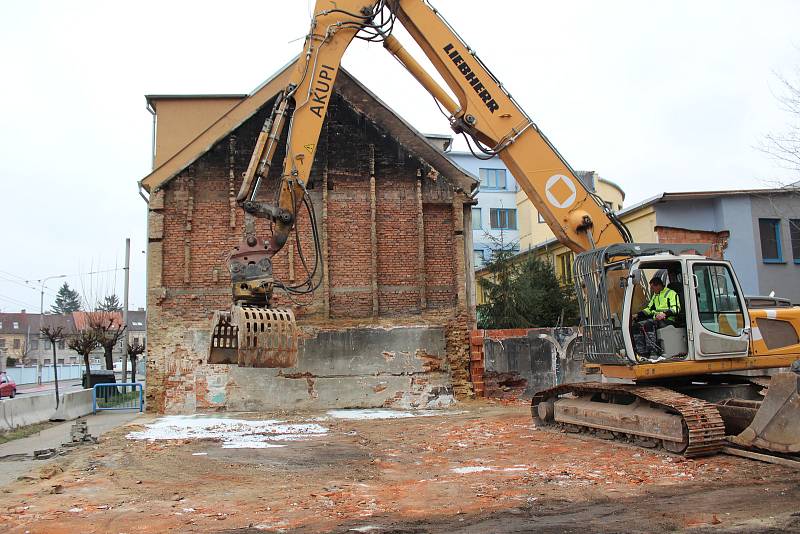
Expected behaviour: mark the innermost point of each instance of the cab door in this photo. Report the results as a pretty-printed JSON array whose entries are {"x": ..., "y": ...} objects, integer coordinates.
[{"x": 719, "y": 316}]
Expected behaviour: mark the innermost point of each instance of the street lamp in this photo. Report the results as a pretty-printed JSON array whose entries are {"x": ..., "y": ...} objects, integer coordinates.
[{"x": 41, "y": 325}]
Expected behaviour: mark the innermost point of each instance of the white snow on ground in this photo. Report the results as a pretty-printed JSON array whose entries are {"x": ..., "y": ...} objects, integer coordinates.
[
  {"x": 380, "y": 413},
  {"x": 480, "y": 468},
  {"x": 470, "y": 469},
  {"x": 233, "y": 433}
]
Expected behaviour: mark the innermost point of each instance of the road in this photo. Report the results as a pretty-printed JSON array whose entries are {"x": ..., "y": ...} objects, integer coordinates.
[
  {"x": 30, "y": 390},
  {"x": 64, "y": 386}
]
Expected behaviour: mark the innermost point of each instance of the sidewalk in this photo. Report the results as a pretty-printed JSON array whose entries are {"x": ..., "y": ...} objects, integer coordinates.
[{"x": 16, "y": 457}]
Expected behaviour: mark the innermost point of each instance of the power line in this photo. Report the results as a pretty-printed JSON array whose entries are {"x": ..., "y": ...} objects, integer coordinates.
[{"x": 16, "y": 301}]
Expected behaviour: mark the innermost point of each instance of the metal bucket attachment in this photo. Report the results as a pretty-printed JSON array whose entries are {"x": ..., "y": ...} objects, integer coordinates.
[
  {"x": 267, "y": 337},
  {"x": 776, "y": 425},
  {"x": 224, "y": 339}
]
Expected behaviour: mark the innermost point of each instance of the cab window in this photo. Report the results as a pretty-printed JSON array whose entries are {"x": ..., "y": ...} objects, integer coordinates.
[{"x": 718, "y": 304}]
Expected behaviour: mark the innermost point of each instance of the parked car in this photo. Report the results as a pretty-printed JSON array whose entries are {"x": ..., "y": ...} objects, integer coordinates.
[{"x": 7, "y": 386}]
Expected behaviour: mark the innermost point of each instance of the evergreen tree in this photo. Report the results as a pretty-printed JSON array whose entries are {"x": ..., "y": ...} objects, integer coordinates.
[
  {"x": 110, "y": 304},
  {"x": 524, "y": 294},
  {"x": 541, "y": 298},
  {"x": 500, "y": 310},
  {"x": 67, "y": 300}
]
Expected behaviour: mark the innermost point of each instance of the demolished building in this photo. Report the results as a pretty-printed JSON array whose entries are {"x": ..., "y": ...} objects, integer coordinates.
[{"x": 389, "y": 325}]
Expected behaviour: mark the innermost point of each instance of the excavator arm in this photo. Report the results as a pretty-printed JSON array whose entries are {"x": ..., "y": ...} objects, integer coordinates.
[{"x": 482, "y": 110}]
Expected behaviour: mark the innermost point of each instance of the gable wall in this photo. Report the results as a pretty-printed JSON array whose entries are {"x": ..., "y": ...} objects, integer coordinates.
[{"x": 391, "y": 236}]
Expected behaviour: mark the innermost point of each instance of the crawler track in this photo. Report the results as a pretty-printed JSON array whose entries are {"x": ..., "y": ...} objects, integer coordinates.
[{"x": 705, "y": 430}]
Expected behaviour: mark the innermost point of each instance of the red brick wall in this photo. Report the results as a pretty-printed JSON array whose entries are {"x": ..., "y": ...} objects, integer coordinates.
[
  {"x": 188, "y": 278},
  {"x": 440, "y": 264},
  {"x": 717, "y": 240}
]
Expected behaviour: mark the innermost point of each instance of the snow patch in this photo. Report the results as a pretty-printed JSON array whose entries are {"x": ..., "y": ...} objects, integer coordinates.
[
  {"x": 381, "y": 413},
  {"x": 470, "y": 469},
  {"x": 233, "y": 433}
]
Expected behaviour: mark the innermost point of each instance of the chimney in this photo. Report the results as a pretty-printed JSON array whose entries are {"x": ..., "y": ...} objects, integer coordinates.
[{"x": 23, "y": 310}]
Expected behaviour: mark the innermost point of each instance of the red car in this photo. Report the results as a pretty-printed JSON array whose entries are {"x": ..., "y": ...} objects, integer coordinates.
[{"x": 7, "y": 386}]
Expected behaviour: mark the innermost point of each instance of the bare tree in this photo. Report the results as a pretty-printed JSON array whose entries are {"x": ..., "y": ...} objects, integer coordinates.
[
  {"x": 109, "y": 330},
  {"x": 134, "y": 351},
  {"x": 784, "y": 147},
  {"x": 84, "y": 343},
  {"x": 54, "y": 335}
]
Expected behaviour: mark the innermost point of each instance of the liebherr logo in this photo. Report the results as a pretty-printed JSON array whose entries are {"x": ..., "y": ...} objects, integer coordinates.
[
  {"x": 321, "y": 90},
  {"x": 473, "y": 80}
]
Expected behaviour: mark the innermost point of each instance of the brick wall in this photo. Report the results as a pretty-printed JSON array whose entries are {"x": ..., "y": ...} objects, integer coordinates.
[
  {"x": 389, "y": 247},
  {"x": 717, "y": 240}
]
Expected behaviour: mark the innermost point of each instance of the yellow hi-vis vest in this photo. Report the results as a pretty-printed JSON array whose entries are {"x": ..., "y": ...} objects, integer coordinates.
[{"x": 665, "y": 301}]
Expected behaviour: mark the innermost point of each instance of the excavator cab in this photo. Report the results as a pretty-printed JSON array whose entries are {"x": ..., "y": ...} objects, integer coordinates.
[
  {"x": 612, "y": 286},
  {"x": 714, "y": 332}
]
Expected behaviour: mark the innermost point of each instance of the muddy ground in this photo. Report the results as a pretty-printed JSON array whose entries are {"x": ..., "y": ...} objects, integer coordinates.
[{"x": 480, "y": 468}]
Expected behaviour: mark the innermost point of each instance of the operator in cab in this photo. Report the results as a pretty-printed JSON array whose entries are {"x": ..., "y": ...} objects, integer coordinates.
[{"x": 661, "y": 311}]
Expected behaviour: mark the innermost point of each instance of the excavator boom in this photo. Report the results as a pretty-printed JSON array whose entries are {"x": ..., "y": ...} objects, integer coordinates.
[{"x": 477, "y": 105}]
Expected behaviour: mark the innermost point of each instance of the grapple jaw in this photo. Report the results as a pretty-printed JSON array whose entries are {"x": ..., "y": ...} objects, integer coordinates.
[
  {"x": 776, "y": 425},
  {"x": 252, "y": 336}
]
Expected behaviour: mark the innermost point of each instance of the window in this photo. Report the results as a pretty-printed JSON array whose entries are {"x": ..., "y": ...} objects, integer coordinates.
[
  {"x": 16, "y": 343},
  {"x": 770, "y": 232},
  {"x": 47, "y": 344},
  {"x": 718, "y": 304},
  {"x": 477, "y": 258},
  {"x": 476, "y": 219},
  {"x": 505, "y": 219},
  {"x": 564, "y": 266},
  {"x": 794, "y": 233},
  {"x": 47, "y": 361},
  {"x": 493, "y": 178},
  {"x": 2, "y": 342},
  {"x": 136, "y": 341},
  {"x": 61, "y": 345},
  {"x": 15, "y": 325},
  {"x": 541, "y": 219},
  {"x": 34, "y": 344}
]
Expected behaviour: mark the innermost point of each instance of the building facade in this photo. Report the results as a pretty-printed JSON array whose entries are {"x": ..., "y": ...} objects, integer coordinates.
[
  {"x": 495, "y": 218},
  {"x": 389, "y": 323},
  {"x": 757, "y": 230},
  {"x": 20, "y": 338}
]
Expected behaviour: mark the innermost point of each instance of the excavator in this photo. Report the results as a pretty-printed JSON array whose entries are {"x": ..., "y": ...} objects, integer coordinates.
[{"x": 692, "y": 388}]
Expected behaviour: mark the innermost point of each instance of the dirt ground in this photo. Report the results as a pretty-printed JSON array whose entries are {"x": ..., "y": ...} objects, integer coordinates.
[{"x": 482, "y": 467}]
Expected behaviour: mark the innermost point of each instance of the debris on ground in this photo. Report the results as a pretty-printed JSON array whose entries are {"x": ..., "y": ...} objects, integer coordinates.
[
  {"x": 79, "y": 434},
  {"x": 44, "y": 454},
  {"x": 484, "y": 468}
]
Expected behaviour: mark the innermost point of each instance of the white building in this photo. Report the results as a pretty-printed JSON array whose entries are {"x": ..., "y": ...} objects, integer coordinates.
[{"x": 494, "y": 219}]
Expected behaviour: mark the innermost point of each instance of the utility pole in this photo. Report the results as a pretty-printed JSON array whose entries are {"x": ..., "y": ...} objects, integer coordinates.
[{"x": 125, "y": 310}]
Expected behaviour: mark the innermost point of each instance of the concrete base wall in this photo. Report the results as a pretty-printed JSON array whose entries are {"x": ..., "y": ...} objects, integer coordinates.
[
  {"x": 22, "y": 411},
  {"x": 359, "y": 367},
  {"x": 518, "y": 363}
]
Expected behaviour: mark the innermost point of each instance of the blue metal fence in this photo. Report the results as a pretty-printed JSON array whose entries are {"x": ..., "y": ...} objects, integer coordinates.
[{"x": 110, "y": 396}]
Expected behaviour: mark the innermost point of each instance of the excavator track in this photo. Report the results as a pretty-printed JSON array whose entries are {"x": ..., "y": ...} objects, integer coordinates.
[{"x": 703, "y": 428}]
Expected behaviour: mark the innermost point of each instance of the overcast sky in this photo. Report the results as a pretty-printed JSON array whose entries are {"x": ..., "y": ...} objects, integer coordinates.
[{"x": 654, "y": 96}]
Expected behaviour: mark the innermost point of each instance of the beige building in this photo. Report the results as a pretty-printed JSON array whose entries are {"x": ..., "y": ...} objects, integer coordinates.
[
  {"x": 532, "y": 228},
  {"x": 639, "y": 218}
]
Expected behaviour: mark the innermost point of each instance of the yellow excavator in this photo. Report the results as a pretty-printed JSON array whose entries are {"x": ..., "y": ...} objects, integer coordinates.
[{"x": 682, "y": 393}]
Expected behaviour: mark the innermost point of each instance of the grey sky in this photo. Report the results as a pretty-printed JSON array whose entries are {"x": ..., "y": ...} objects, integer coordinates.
[{"x": 669, "y": 95}]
